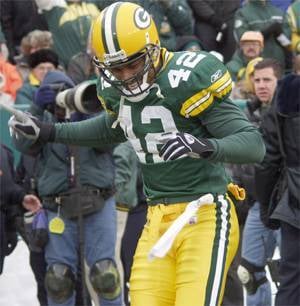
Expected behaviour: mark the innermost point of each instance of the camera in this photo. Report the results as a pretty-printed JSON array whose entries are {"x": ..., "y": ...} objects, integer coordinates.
[{"x": 81, "y": 98}]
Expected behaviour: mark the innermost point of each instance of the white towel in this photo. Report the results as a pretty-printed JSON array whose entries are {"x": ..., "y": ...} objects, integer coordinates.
[{"x": 165, "y": 242}]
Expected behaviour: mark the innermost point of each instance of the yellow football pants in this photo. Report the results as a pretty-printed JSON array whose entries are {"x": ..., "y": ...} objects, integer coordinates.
[{"x": 193, "y": 272}]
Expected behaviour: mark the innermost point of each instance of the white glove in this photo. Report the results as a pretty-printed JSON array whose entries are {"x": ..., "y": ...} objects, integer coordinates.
[{"x": 27, "y": 127}]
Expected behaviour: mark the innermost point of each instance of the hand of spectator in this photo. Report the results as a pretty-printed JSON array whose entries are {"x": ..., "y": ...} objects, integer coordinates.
[
  {"x": 31, "y": 203},
  {"x": 274, "y": 28},
  {"x": 45, "y": 95},
  {"x": 265, "y": 218}
]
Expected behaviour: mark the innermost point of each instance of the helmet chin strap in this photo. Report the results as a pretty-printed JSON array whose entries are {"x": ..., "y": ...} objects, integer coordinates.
[
  {"x": 146, "y": 93},
  {"x": 143, "y": 87}
]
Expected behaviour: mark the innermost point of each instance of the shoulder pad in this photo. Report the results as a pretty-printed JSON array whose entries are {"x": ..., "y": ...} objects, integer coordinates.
[{"x": 214, "y": 83}]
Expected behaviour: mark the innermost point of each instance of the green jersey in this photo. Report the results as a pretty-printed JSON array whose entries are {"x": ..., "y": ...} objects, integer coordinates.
[{"x": 189, "y": 95}]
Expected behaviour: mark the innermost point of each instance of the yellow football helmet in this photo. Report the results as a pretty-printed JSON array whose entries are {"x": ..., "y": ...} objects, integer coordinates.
[{"x": 123, "y": 33}]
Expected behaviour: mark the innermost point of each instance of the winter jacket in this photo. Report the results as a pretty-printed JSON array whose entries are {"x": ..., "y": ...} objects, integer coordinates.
[
  {"x": 213, "y": 17},
  {"x": 277, "y": 178},
  {"x": 25, "y": 94},
  {"x": 204, "y": 10},
  {"x": 11, "y": 197},
  {"x": 126, "y": 176},
  {"x": 13, "y": 80},
  {"x": 256, "y": 15}
]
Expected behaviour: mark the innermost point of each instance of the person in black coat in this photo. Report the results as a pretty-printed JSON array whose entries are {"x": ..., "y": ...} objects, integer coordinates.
[
  {"x": 12, "y": 201},
  {"x": 214, "y": 21},
  {"x": 278, "y": 183},
  {"x": 18, "y": 18}
]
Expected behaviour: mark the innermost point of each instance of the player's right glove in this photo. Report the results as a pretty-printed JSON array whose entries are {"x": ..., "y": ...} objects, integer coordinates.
[{"x": 31, "y": 128}]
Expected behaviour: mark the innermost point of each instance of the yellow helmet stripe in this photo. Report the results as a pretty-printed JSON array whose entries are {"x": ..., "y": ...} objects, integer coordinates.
[{"x": 109, "y": 35}]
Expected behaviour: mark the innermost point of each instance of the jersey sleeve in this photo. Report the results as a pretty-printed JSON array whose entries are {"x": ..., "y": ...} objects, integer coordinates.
[
  {"x": 94, "y": 132},
  {"x": 213, "y": 84}
]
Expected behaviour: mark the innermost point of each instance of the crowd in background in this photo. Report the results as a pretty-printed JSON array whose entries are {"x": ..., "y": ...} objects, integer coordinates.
[{"x": 257, "y": 40}]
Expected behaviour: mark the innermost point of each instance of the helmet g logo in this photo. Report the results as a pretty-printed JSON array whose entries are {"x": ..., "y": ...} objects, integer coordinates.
[{"x": 142, "y": 18}]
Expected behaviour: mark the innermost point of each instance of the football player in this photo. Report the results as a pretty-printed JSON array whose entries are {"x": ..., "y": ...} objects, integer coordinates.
[{"x": 175, "y": 111}]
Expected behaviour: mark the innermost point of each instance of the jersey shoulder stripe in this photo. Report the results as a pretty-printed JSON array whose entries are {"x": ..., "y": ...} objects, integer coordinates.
[{"x": 220, "y": 88}]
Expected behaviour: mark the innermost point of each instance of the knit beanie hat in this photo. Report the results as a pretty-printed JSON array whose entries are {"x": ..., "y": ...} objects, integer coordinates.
[{"x": 43, "y": 56}]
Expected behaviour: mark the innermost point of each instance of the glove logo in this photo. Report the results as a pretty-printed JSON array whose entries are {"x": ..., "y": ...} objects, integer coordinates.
[{"x": 190, "y": 139}]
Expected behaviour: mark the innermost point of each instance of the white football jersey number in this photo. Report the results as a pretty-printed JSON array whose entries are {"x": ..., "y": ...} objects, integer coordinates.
[
  {"x": 189, "y": 60},
  {"x": 147, "y": 115}
]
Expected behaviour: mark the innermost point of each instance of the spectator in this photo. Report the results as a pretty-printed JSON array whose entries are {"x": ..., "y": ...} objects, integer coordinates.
[
  {"x": 261, "y": 15},
  {"x": 258, "y": 242},
  {"x": 251, "y": 46},
  {"x": 69, "y": 22},
  {"x": 214, "y": 25},
  {"x": 25, "y": 173},
  {"x": 18, "y": 18},
  {"x": 13, "y": 200},
  {"x": 40, "y": 62},
  {"x": 130, "y": 197},
  {"x": 174, "y": 109},
  {"x": 277, "y": 181},
  {"x": 11, "y": 79},
  {"x": 33, "y": 41},
  {"x": 69, "y": 196},
  {"x": 26, "y": 176}
]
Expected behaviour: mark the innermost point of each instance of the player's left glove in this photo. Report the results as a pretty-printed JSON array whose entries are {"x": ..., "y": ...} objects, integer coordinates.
[{"x": 183, "y": 144}]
